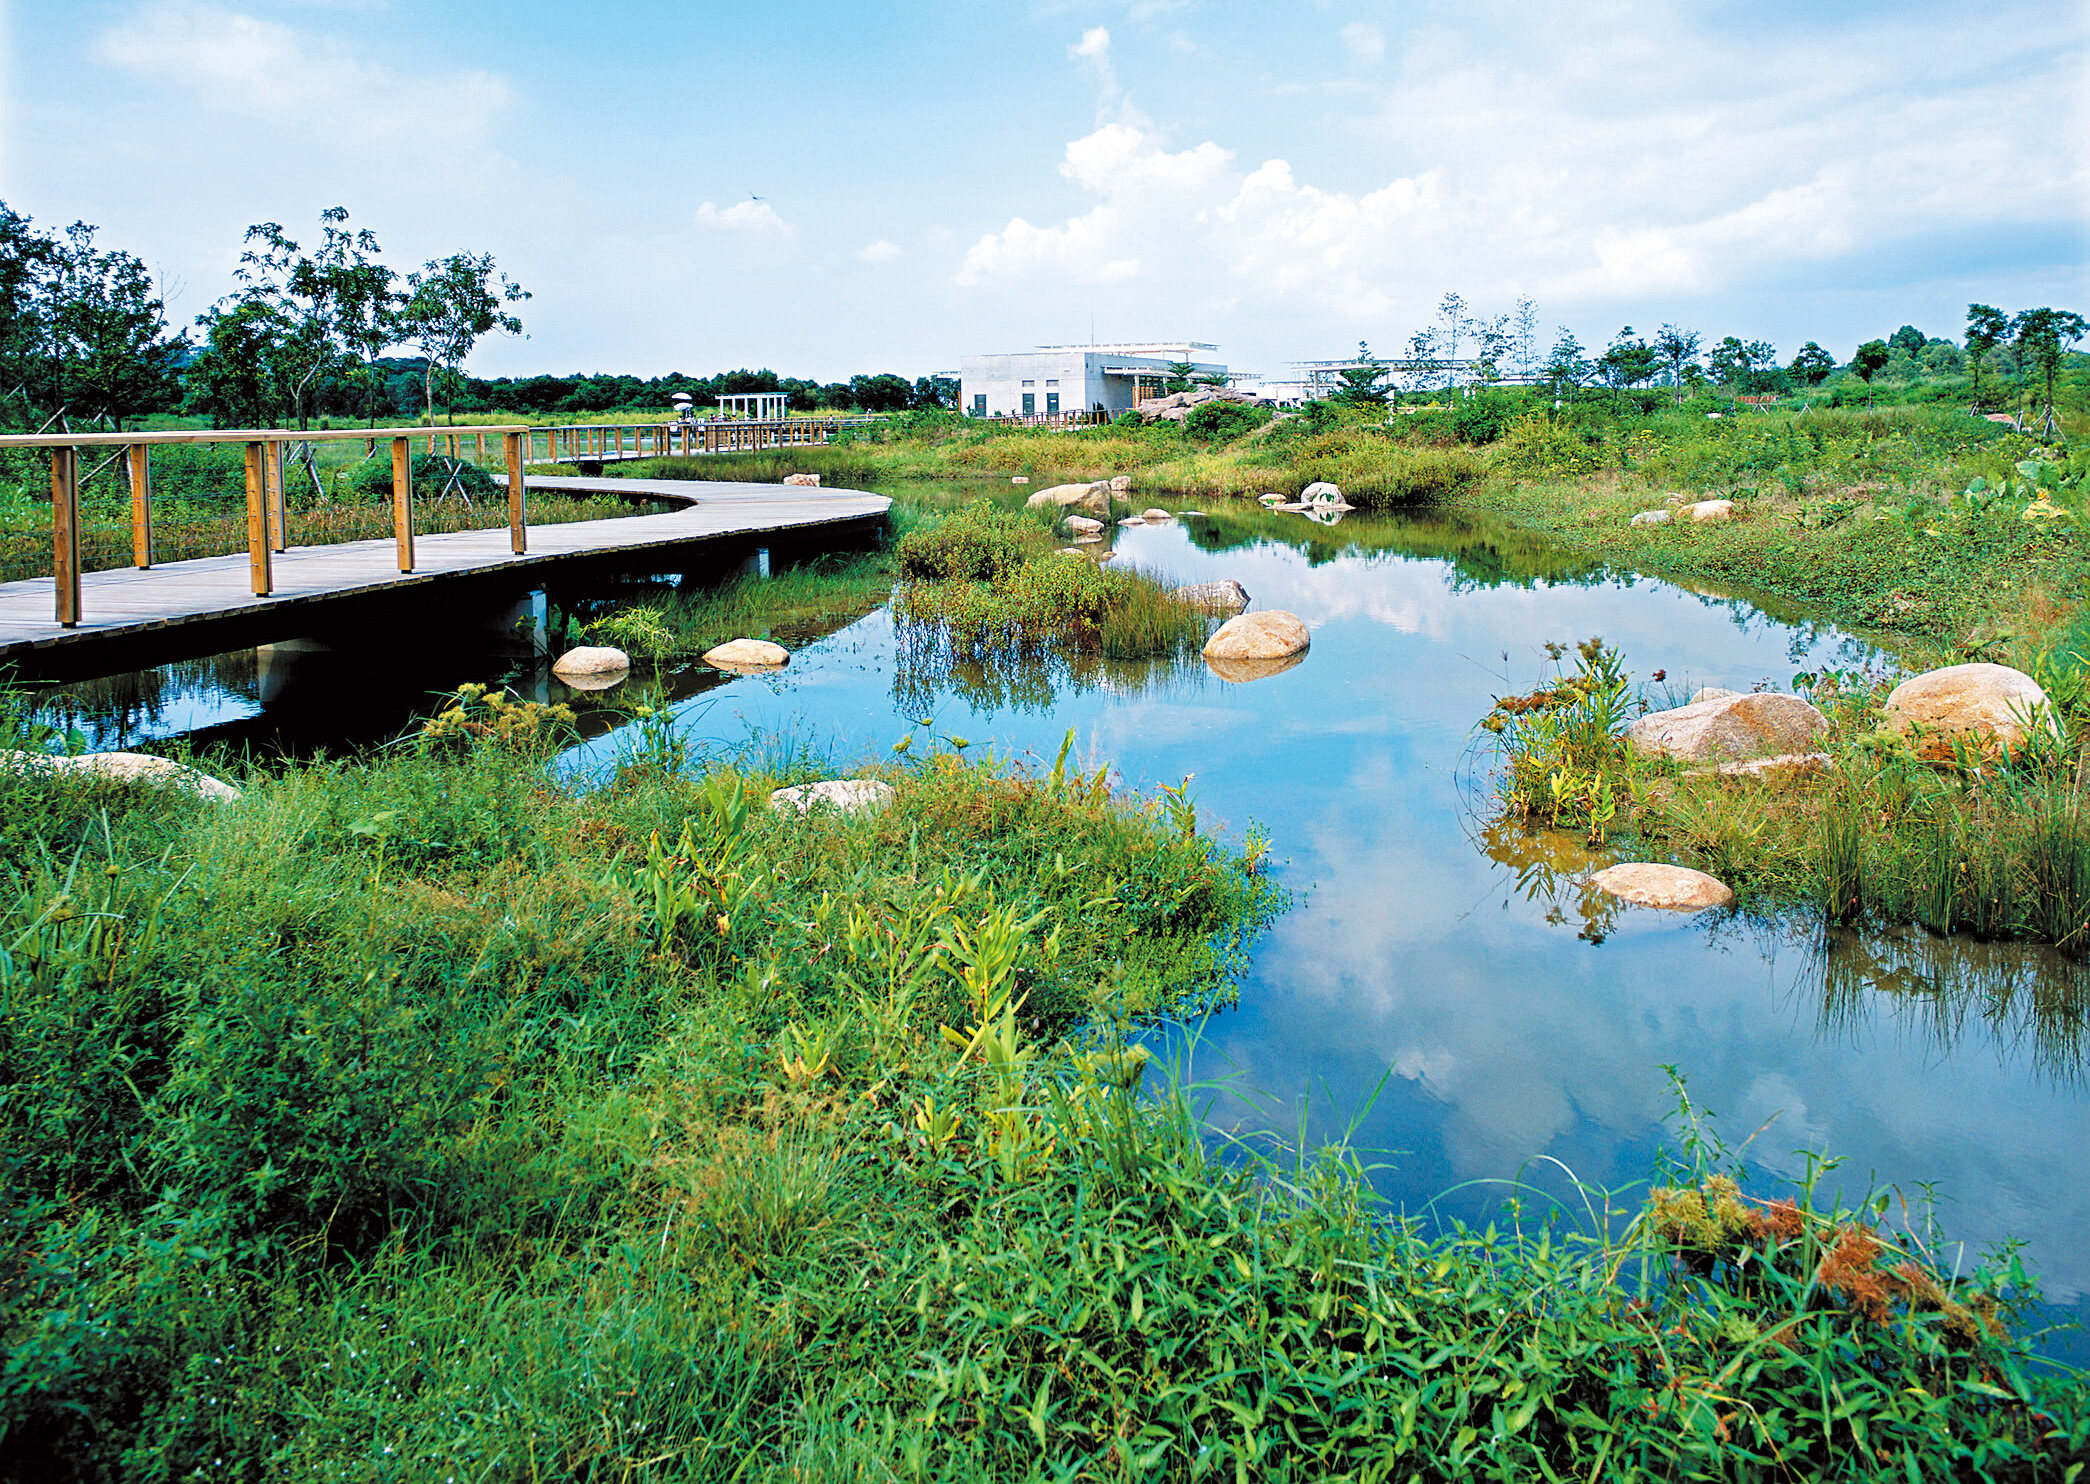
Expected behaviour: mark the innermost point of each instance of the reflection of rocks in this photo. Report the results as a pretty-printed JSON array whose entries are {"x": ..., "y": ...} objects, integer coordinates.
[
  {"x": 746, "y": 654},
  {"x": 590, "y": 663},
  {"x": 1671, "y": 888},
  {"x": 1729, "y": 727},
  {"x": 1270, "y": 635},
  {"x": 1328, "y": 515},
  {"x": 125, "y": 767},
  {"x": 1223, "y": 596},
  {"x": 1987, "y": 705},
  {"x": 1240, "y": 672},
  {"x": 849, "y": 795}
]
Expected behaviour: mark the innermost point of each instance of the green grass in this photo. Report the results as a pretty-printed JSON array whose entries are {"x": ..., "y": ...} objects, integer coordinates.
[{"x": 421, "y": 1117}]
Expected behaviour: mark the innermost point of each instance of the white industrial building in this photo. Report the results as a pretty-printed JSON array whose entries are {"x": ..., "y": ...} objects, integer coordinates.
[{"x": 1055, "y": 380}]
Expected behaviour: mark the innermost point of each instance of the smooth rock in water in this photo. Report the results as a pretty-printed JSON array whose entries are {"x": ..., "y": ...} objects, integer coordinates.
[
  {"x": 746, "y": 654},
  {"x": 1988, "y": 705},
  {"x": 812, "y": 480},
  {"x": 1094, "y": 497},
  {"x": 1223, "y": 596},
  {"x": 591, "y": 661},
  {"x": 1672, "y": 888},
  {"x": 1271, "y": 498},
  {"x": 124, "y": 767},
  {"x": 1651, "y": 518},
  {"x": 1294, "y": 507},
  {"x": 1121, "y": 484},
  {"x": 1155, "y": 514},
  {"x": 1131, "y": 520},
  {"x": 849, "y": 795},
  {"x": 1729, "y": 727},
  {"x": 1321, "y": 492},
  {"x": 1784, "y": 765},
  {"x": 1712, "y": 693},
  {"x": 1708, "y": 510},
  {"x": 1081, "y": 525},
  {"x": 1270, "y": 635},
  {"x": 1019, "y": 479}
]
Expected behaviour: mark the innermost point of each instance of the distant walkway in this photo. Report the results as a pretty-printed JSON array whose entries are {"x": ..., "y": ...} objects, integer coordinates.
[{"x": 127, "y": 604}]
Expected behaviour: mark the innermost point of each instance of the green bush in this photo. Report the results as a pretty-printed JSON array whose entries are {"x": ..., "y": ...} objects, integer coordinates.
[
  {"x": 981, "y": 543},
  {"x": 1220, "y": 421},
  {"x": 432, "y": 473}
]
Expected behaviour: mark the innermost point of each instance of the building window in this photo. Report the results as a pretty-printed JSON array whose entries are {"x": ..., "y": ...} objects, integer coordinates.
[
  {"x": 1030, "y": 404},
  {"x": 1030, "y": 383},
  {"x": 1052, "y": 404},
  {"x": 1052, "y": 383},
  {"x": 979, "y": 404}
]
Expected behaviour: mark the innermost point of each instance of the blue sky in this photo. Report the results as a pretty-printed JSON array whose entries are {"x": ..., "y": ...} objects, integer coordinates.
[{"x": 1283, "y": 179}]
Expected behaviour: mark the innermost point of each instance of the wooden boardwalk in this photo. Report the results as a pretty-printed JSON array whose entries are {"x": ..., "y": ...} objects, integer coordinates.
[{"x": 127, "y": 604}]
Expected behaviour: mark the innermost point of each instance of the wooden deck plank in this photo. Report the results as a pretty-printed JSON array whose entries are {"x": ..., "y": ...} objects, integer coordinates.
[{"x": 126, "y": 600}]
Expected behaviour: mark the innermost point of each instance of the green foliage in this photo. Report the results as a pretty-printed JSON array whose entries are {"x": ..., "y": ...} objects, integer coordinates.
[
  {"x": 1221, "y": 421},
  {"x": 981, "y": 543},
  {"x": 1563, "y": 761},
  {"x": 432, "y": 474}
]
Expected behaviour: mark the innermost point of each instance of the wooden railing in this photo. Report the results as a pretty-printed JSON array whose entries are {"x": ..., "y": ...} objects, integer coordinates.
[
  {"x": 602, "y": 442},
  {"x": 268, "y": 524}
]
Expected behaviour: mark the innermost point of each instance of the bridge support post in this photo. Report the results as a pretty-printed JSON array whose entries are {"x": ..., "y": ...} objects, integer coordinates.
[
  {"x": 403, "y": 501},
  {"x": 258, "y": 520},
  {"x": 140, "y": 462},
  {"x": 517, "y": 515},
  {"x": 279, "y": 513},
  {"x": 65, "y": 534}
]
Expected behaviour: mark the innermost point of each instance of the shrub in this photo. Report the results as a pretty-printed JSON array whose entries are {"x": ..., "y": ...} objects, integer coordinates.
[
  {"x": 981, "y": 543},
  {"x": 432, "y": 474},
  {"x": 1482, "y": 417},
  {"x": 1539, "y": 447},
  {"x": 1219, "y": 421}
]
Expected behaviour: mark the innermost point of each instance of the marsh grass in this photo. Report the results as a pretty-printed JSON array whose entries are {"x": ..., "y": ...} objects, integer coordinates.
[{"x": 422, "y": 1115}]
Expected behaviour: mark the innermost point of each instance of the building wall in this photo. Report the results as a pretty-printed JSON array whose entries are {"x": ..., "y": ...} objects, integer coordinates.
[{"x": 1075, "y": 377}]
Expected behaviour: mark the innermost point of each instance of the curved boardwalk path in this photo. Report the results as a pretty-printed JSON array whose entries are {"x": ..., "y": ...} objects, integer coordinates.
[{"x": 140, "y": 615}]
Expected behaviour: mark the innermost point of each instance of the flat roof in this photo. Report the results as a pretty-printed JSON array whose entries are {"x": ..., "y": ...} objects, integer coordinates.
[{"x": 1136, "y": 347}]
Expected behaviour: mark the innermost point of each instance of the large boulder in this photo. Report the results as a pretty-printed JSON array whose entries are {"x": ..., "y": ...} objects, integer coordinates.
[
  {"x": 1155, "y": 514},
  {"x": 125, "y": 767},
  {"x": 746, "y": 654},
  {"x": 1727, "y": 727},
  {"x": 1223, "y": 596},
  {"x": 1179, "y": 405},
  {"x": 1651, "y": 518},
  {"x": 848, "y": 795},
  {"x": 1094, "y": 497},
  {"x": 811, "y": 480},
  {"x": 1321, "y": 492},
  {"x": 1708, "y": 510},
  {"x": 1121, "y": 484},
  {"x": 1986, "y": 706},
  {"x": 1081, "y": 525},
  {"x": 1672, "y": 888},
  {"x": 1269, "y": 635},
  {"x": 591, "y": 662}
]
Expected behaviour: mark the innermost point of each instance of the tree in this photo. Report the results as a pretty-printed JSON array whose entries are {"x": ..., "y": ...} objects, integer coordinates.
[
  {"x": 1452, "y": 310},
  {"x": 1363, "y": 385},
  {"x": 1811, "y": 367},
  {"x": 1526, "y": 337},
  {"x": 1629, "y": 361},
  {"x": 1568, "y": 366},
  {"x": 108, "y": 330},
  {"x": 1178, "y": 377},
  {"x": 1676, "y": 348},
  {"x": 1492, "y": 345},
  {"x": 1986, "y": 328},
  {"x": 1907, "y": 338},
  {"x": 2043, "y": 337},
  {"x": 935, "y": 391},
  {"x": 1872, "y": 355},
  {"x": 884, "y": 393},
  {"x": 449, "y": 305},
  {"x": 336, "y": 306},
  {"x": 230, "y": 379},
  {"x": 25, "y": 266}
]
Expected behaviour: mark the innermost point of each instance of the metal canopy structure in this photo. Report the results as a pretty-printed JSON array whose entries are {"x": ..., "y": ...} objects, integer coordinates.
[{"x": 764, "y": 406}]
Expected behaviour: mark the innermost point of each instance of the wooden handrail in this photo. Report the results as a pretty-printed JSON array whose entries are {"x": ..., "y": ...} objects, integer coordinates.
[{"x": 268, "y": 513}]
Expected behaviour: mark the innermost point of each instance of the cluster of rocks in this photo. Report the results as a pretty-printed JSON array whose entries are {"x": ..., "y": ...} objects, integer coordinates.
[
  {"x": 600, "y": 666},
  {"x": 1320, "y": 499},
  {"x": 1981, "y": 708},
  {"x": 1675, "y": 507},
  {"x": 1176, "y": 406}
]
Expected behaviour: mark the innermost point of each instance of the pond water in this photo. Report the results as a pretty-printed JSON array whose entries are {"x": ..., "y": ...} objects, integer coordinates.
[{"x": 1441, "y": 991}]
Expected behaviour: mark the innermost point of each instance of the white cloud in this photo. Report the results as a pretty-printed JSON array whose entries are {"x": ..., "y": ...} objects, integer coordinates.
[
  {"x": 742, "y": 216},
  {"x": 1364, "y": 41},
  {"x": 307, "y": 83},
  {"x": 1673, "y": 162},
  {"x": 1094, "y": 44},
  {"x": 880, "y": 251}
]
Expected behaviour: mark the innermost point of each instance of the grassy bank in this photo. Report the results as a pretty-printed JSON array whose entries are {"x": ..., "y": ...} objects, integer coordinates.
[{"x": 427, "y": 1117}]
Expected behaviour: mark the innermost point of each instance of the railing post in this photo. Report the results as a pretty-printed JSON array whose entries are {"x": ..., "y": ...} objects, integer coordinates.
[
  {"x": 516, "y": 491},
  {"x": 258, "y": 520},
  {"x": 140, "y": 461},
  {"x": 65, "y": 534},
  {"x": 279, "y": 514},
  {"x": 403, "y": 501}
]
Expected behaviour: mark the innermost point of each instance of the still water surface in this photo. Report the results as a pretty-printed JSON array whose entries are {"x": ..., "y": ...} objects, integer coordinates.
[{"x": 1503, "y": 1020}]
